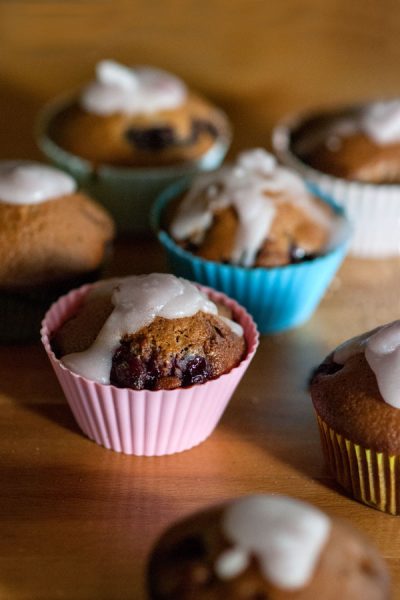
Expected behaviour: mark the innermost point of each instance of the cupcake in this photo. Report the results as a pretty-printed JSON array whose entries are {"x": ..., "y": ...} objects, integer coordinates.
[
  {"x": 263, "y": 547},
  {"x": 148, "y": 362},
  {"x": 53, "y": 237},
  {"x": 255, "y": 231},
  {"x": 132, "y": 131},
  {"x": 356, "y": 396},
  {"x": 353, "y": 155}
]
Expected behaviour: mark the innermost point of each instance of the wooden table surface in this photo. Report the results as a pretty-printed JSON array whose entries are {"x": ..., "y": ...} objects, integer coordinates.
[{"x": 77, "y": 521}]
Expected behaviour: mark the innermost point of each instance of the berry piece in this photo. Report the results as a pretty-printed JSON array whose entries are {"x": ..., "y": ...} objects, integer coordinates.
[
  {"x": 153, "y": 139},
  {"x": 130, "y": 371},
  {"x": 195, "y": 371}
]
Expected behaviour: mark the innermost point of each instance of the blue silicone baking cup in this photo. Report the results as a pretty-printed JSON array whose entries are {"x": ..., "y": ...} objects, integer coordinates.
[{"x": 278, "y": 298}]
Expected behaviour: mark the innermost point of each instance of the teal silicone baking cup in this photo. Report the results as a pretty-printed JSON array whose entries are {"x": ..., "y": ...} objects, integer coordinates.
[
  {"x": 126, "y": 192},
  {"x": 278, "y": 298}
]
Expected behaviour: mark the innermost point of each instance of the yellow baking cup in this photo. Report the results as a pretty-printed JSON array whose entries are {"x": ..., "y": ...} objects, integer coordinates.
[{"x": 369, "y": 476}]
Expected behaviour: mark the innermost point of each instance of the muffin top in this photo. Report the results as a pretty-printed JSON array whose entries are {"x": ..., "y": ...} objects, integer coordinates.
[
  {"x": 260, "y": 547},
  {"x": 153, "y": 332},
  {"x": 358, "y": 143},
  {"x": 49, "y": 231},
  {"x": 253, "y": 213},
  {"x": 139, "y": 116},
  {"x": 356, "y": 389}
]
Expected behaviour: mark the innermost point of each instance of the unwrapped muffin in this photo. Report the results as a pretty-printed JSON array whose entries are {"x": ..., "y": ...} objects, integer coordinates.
[
  {"x": 256, "y": 232},
  {"x": 356, "y": 396},
  {"x": 265, "y": 547},
  {"x": 148, "y": 363},
  {"x": 53, "y": 237}
]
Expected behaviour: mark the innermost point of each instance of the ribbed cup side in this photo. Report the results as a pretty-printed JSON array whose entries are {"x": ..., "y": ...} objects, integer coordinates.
[
  {"x": 277, "y": 298},
  {"x": 146, "y": 422},
  {"x": 369, "y": 476},
  {"x": 374, "y": 212}
]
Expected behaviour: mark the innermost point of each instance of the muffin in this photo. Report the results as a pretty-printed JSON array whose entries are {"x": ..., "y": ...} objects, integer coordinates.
[
  {"x": 162, "y": 355},
  {"x": 137, "y": 117},
  {"x": 353, "y": 155},
  {"x": 263, "y": 547},
  {"x": 255, "y": 231},
  {"x": 149, "y": 332},
  {"x": 129, "y": 127},
  {"x": 53, "y": 237},
  {"x": 254, "y": 214},
  {"x": 356, "y": 397},
  {"x": 361, "y": 144}
]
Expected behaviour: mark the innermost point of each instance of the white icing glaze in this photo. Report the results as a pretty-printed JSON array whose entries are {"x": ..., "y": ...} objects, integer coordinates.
[
  {"x": 137, "y": 301},
  {"x": 285, "y": 535},
  {"x": 23, "y": 182},
  {"x": 253, "y": 186},
  {"x": 383, "y": 356},
  {"x": 382, "y": 352},
  {"x": 140, "y": 90},
  {"x": 381, "y": 122},
  {"x": 351, "y": 347}
]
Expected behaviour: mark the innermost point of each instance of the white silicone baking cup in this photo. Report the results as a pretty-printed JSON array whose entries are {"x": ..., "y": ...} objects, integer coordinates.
[
  {"x": 373, "y": 209},
  {"x": 150, "y": 423}
]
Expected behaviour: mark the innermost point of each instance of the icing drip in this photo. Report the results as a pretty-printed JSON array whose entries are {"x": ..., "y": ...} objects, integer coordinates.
[
  {"x": 285, "y": 535},
  {"x": 140, "y": 90},
  {"x": 253, "y": 186},
  {"x": 137, "y": 301},
  {"x": 381, "y": 122},
  {"x": 23, "y": 182},
  {"x": 382, "y": 352}
]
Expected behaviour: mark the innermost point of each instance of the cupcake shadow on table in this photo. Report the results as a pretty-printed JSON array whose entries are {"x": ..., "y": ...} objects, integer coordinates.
[
  {"x": 129, "y": 134},
  {"x": 272, "y": 413},
  {"x": 254, "y": 231}
]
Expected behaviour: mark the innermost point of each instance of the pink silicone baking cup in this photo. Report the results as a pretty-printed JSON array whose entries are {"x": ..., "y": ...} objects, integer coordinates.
[{"x": 146, "y": 423}]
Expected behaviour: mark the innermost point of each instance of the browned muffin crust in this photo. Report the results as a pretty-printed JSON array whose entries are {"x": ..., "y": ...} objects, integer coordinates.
[
  {"x": 348, "y": 399},
  {"x": 56, "y": 240},
  {"x": 166, "y": 354},
  {"x": 181, "y": 567},
  {"x": 293, "y": 236},
  {"x": 332, "y": 142},
  {"x": 165, "y": 138},
  {"x": 357, "y": 157}
]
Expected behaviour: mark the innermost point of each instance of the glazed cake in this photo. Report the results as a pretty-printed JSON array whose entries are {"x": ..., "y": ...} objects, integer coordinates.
[
  {"x": 137, "y": 117},
  {"x": 356, "y": 396},
  {"x": 50, "y": 232},
  {"x": 149, "y": 332},
  {"x": 265, "y": 548},
  {"x": 253, "y": 213},
  {"x": 360, "y": 143}
]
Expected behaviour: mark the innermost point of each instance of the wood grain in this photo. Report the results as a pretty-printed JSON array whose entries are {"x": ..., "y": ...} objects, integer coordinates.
[{"x": 77, "y": 521}]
